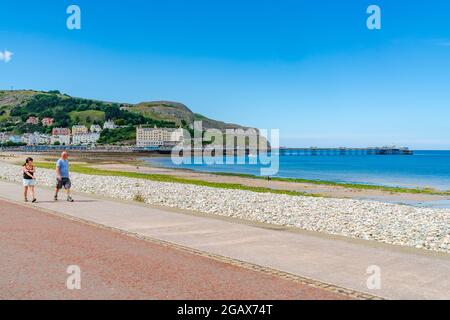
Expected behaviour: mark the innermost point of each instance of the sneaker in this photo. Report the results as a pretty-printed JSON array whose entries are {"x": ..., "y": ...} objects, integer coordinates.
[
  {"x": 69, "y": 198},
  {"x": 55, "y": 197},
  {"x": 34, "y": 200}
]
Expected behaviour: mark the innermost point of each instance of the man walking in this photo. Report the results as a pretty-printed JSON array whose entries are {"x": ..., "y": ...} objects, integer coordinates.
[{"x": 62, "y": 176}]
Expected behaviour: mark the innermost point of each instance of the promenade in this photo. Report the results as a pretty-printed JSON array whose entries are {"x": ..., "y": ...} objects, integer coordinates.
[{"x": 131, "y": 250}]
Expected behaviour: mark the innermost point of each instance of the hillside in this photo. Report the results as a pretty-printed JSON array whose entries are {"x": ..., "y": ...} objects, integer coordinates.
[
  {"x": 178, "y": 113},
  {"x": 87, "y": 117},
  {"x": 17, "y": 106},
  {"x": 11, "y": 99}
]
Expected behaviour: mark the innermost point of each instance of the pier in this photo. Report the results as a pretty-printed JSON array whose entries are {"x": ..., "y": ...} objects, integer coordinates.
[{"x": 314, "y": 151}]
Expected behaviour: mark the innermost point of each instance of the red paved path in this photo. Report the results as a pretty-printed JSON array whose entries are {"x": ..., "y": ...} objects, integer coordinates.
[{"x": 36, "y": 248}]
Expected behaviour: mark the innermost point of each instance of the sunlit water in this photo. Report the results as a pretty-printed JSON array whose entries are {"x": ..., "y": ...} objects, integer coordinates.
[{"x": 423, "y": 169}]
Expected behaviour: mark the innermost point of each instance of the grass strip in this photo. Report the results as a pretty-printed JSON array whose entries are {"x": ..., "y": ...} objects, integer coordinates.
[
  {"x": 84, "y": 169},
  {"x": 430, "y": 191}
]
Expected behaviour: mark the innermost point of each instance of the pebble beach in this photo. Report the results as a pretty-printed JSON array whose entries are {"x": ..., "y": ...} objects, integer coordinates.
[{"x": 424, "y": 228}]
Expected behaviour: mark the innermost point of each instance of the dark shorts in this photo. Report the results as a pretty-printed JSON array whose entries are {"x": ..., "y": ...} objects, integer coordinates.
[{"x": 63, "y": 183}]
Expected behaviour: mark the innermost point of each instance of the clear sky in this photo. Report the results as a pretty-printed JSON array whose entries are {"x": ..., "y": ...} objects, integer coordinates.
[{"x": 310, "y": 68}]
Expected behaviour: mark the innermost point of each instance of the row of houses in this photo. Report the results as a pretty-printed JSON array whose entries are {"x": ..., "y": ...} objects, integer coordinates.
[
  {"x": 37, "y": 138},
  {"x": 79, "y": 135},
  {"x": 82, "y": 135},
  {"x": 27, "y": 138}
]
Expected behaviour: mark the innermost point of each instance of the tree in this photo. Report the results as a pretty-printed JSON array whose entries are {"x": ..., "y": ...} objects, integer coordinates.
[
  {"x": 120, "y": 122},
  {"x": 46, "y": 114},
  {"x": 116, "y": 136},
  {"x": 112, "y": 112}
]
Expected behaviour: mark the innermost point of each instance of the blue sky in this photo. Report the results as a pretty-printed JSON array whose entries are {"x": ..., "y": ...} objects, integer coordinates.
[{"x": 310, "y": 68}]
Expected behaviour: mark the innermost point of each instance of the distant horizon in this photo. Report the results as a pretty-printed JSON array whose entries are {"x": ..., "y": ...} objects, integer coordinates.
[{"x": 314, "y": 70}]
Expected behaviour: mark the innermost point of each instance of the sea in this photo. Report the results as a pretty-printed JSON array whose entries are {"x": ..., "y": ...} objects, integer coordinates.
[{"x": 423, "y": 169}]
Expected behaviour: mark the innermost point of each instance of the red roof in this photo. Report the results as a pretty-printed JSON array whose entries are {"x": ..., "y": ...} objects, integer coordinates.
[{"x": 61, "y": 131}]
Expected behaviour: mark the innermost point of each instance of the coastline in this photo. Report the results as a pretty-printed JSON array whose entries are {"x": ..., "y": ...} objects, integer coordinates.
[
  {"x": 402, "y": 225},
  {"x": 133, "y": 163}
]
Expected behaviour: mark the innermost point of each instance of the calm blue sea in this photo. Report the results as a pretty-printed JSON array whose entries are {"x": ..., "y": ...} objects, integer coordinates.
[{"x": 423, "y": 169}]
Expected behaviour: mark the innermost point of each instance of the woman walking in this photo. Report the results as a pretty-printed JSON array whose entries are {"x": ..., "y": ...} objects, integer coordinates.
[{"x": 29, "y": 180}]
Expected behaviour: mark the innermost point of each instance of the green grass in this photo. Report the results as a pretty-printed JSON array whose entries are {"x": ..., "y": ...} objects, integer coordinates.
[
  {"x": 4, "y": 111},
  {"x": 166, "y": 178},
  {"x": 198, "y": 117},
  {"x": 345, "y": 185},
  {"x": 84, "y": 169},
  {"x": 93, "y": 115}
]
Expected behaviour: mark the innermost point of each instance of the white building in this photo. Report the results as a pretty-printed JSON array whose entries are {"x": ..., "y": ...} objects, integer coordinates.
[
  {"x": 96, "y": 128},
  {"x": 87, "y": 138},
  {"x": 45, "y": 139},
  {"x": 62, "y": 139},
  {"x": 79, "y": 129},
  {"x": 109, "y": 125},
  {"x": 155, "y": 137},
  {"x": 8, "y": 137},
  {"x": 4, "y": 137},
  {"x": 34, "y": 139},
  {"x": 15, "y": 139},
  {"x": 30, "y": 139}
]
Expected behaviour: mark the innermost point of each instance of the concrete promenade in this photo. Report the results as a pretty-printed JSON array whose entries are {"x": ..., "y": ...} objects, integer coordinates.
[{"x": 325, "y": 261}]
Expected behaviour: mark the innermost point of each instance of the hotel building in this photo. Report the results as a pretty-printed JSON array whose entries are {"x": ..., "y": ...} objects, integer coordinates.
[{"x": 157, "y": 137}]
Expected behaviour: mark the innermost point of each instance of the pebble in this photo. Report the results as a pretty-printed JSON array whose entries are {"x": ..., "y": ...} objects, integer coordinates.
[{"x": 424, "y": 228}]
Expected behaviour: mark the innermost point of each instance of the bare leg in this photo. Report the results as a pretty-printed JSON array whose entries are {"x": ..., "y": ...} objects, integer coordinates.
[
  {"x": 56, "y": 193},
  {"x": 33, "y": 193},
  {"x": 69, "y": 198},
  {"x": 25, "y": 193}
]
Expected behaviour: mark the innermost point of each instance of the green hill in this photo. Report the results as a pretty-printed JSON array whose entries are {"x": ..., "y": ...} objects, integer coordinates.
[
  {"x": 178, "y": 113},
  {"x": 16, "y": 106},
  {"x": 164, "y": 110}
]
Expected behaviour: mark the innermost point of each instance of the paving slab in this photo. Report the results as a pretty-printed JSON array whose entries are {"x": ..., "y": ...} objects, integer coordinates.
[
  {"x": 405, "y": 273},
  {"x": 37, "y": 249}
]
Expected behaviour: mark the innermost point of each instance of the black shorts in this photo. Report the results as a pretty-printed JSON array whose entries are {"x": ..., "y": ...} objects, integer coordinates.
[{"x": 63, "y": 183}]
